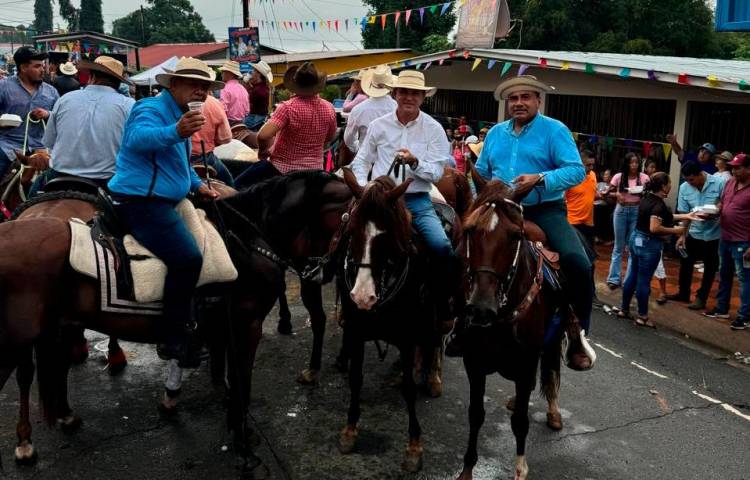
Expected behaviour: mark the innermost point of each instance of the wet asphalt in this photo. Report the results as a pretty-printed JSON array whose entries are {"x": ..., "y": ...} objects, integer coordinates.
[{"x": 648, "y": 410}]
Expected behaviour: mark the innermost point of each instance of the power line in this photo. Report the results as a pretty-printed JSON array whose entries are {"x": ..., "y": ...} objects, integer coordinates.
[{"x": 319, "y": 18}]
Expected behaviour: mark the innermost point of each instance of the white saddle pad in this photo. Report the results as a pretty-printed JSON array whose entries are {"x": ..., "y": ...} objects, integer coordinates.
[
  {"x": 236, "y": 150},
  {"x": 148, "y": 271}
]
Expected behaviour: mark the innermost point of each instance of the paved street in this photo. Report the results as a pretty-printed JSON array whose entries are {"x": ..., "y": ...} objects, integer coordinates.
[{"x": 654, "y": 407}]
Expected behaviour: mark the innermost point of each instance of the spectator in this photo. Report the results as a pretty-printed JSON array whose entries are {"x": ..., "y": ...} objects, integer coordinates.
[
  {"x": 734, "y": 246},
  {"x": 580, "y": 201},
  {"x": 234, "y": 96},
  {"x": 66, "y": 81},
  {"x": 723, "y": 170},
  {"x": 463, "y": 127},
  {"x": 603, "y": 208},
  {"x": 259, "y": 95},
  {"x": 449, "y": 134},
  {"x": 704, "y": 157},
  {"x": 355, "y": 95},
  {"x": 483, "y": 134},
  {"x": 628, "y": 184},
  {"x": 378, "y": 104},
  {"x": 701, "y": 240},
  {"x": 213, "y": 133},
  {"x": 654, "y": 222},
  {"x": 661, "y": 273},
  {"x": 464, "y": 152}
]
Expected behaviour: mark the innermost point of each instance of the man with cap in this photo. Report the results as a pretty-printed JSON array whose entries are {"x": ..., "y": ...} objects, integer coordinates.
[
  {"x": 734, "y": 246},
  {"x": 537, "y": 156},
  {"x": 302, "y": 126},
  {"x": 355, "y": 95},
  {"x": 705, "y": 156},
  {"x": 420, "y": 142},
  {"x": 66, "y": 81},
  {"x": 234, "y": 96},
  {"x": 86, "y": 126},
  {"x": 379, "y": 103},
  {"x": 26, "y": 95},
  {"x": 153, "y": 174},
  {"x": 259, "y": 92}
]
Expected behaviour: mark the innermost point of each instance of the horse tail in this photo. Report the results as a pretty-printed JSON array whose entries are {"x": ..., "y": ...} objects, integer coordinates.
[{"x": 549, "y": 374}]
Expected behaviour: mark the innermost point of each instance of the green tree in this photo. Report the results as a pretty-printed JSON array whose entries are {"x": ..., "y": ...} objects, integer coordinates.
[
  {"x": 91, "y": 16},
  {"x": 411, "y": 36},
  {"x": 163, "y": 21},
  {"x": 435, "y": 43},
  {"x": 70, "y": 14},
  {"x": 43, "y": 15}
]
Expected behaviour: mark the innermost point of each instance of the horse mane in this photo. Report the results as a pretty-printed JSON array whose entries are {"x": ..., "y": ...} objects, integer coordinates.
[
  {"x": 389, "y": 215},
  {"x": 492, "y": 195}
]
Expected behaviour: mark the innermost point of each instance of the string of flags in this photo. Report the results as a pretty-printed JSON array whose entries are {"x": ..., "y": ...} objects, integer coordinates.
[
  {"x": 438, "y": 9},
  {"x": 609, "y": 143}
]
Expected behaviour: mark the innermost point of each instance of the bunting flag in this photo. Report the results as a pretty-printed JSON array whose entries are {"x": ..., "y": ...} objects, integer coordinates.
[
  {"x": 565, "y": 66},
  {"x": 466, "y": 54},
  {"x": 408, "y": 16},
  {"x": 452, "y": 53},
  {"x": 313, "y": 26},
  {"x": 440, "y": 62},
  {"x": 433, "y": 9},
  {"x": 506, "y": 67},
  {"x": 683, "y": 79},
  {"x": 491, "y": 64},
  {"x": 328, "y": 23},
  {"x": 396, "y": 17},
  {"x": 543, "y": 62},
  {"x": 590, "y": 69},
  {"x": 336, "y": 25},
  {"x": 646, "y": 148},
  {"x": 744, "y": 86},
  {"x": 575, "y": 136},
  {"x": 346, "y": 24},
  {"x": 652, "y": 75},
  {"x": 476, "y": 64},
  {"x": 713, "y": 81},
  {"x": 429, "y": 64},
  {"x": 421, "y": 15},
  {"x": 382, "y": 20},
  {"x": 624, "y": 73},
  {"x": 593, "y": 139},
  {"x": 667, "y": 150},
  {"x": 371, "y": 20},
  {"x": 610, "y": 142},
  {"x": 522, "y": 69},
  {"x": 446, "y": 5}
]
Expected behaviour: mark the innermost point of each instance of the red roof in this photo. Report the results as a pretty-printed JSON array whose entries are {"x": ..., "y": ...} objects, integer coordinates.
[{"x": 153, "y": 55}]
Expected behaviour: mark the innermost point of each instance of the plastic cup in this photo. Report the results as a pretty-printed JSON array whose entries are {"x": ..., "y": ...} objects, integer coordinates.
[{"x": 195, "y": 106}]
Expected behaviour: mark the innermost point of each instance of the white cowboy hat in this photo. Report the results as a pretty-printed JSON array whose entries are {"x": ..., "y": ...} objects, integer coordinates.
[
  {"x": 526, "y": 83},
  {"x": 361, "y": 74},
  {"x": 232, "y": 67},
  {"x": 411, "y": 80},
  {"x": 189, "y": 67},
  {"x": 264, "y": 69},
  {"x": 106, "y": 65},
  {"x": 374, "y": 81},
  {"x": 68, "y": 68}
]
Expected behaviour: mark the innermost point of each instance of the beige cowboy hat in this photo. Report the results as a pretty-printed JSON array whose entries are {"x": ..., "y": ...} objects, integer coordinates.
[
  {"x": 411, "y": 80},
  {"x": 264, "y": 69},
  {"x": 68, "y": 68},
  {"x": 304, "y": 79},
  {"x": 189, "y": 67},
  {"x": 106, "y": 65},
  {"x": 232, "y": 67},
  {"x": 361, "y": 74},
  {"x": 374, "y": 81},
  {"x": 526, "y": 83}
]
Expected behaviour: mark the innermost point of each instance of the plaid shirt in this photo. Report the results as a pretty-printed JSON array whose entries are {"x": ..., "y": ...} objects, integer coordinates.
[{"x": 305, "y": 125}]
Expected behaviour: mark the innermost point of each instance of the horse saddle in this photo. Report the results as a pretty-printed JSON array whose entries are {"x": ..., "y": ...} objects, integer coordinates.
[
  {"x": 71, "y": 183},
  {"x": 536, "y": 236},
  {"x": 129, "y": 269}
]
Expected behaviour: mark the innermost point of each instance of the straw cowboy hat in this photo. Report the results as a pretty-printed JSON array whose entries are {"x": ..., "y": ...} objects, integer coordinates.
[
  {"x": 232, "y": 67},
  {"x": 189, "y": 67},
  {"x": 264, "y": 69},
  {"x": 361, "y": 74},
  {"x": 68, "y": 68},
  {"x": 526, "y": 83},
  {"x": 106, "y": 65},
  {"x": 411, "y": 80},
  {"x": 305, "y": 79},
  {"x": 374, "y": 81}
]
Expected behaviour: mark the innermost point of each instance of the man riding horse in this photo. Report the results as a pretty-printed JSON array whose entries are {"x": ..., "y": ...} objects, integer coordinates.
[
  {"x": 153, "y": 174},
  {"x": 85, "y": 128},
  {"x": 536, "y": 155},
  {"x": 416, "y": 140}
]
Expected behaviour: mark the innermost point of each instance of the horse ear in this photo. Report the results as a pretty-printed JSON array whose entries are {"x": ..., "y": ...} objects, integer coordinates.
[
  {"x": 479, "y": 181},
  {"x": 396, "y": 192},
  {"x": 351, "y": 181}
]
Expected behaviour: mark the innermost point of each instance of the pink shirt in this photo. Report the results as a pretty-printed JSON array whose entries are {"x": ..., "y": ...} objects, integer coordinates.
[
  {"x": 215, "y": 131},
  {"x": 735, "y": 213},
  {"x": 632, "y": 182},
  {"x": 236, "y": 101},
  {"x": 349, "y": 104}
]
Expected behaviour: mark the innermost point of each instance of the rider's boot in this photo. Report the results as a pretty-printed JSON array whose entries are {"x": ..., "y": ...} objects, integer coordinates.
[
  {"x": 183, "y": 346},
  {"x": 579, "y": 355}
]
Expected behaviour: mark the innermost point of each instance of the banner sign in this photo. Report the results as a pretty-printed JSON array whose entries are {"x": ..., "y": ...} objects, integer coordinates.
[
  {"x": 243, "y": 44},
  {"x": 478, "y": 23}
]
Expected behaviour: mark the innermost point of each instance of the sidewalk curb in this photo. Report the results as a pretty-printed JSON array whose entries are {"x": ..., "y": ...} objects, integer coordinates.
[{"x": 678, "y": 318}]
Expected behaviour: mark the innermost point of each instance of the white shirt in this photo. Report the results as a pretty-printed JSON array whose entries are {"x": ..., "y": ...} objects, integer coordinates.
[
  {"x": 425, "y": 139},
  {"x": 362, "y": 116}
]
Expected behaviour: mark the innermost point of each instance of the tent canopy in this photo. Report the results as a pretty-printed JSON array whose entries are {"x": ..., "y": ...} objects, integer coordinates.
[{"x": 149, "y": 76}]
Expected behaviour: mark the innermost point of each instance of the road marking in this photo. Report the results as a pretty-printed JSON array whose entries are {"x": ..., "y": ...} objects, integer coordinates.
[
  {"x": 647, "y": 370},
  {"x": 611, "y": 352},
  {"x": 725, "y": 406}
]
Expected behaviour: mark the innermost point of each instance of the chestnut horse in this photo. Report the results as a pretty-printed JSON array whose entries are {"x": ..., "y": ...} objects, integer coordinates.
[
  {"x": 508, "y": 312},
  {"x": 280, "y": 222}
]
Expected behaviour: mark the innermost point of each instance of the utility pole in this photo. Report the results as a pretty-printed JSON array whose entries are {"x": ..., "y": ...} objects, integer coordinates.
[{"x": 246, "y": 13}]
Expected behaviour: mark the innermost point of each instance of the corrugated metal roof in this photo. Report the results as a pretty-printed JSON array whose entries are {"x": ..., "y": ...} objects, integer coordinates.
[{"x": 307, "y": 56}]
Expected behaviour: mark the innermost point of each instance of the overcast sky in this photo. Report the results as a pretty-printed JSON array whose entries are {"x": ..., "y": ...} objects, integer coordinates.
[{"x": 220, "y": 14}]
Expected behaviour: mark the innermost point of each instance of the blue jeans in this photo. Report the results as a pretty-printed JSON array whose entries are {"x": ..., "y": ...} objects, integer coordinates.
[
  {"x": 5, "y": 164},
  {"x": 731, "y": 254},
  {"x": 259, "y": 171},
  {"x": 156, "y": 225},
  {"x": 213, "y": 161},
  {"x": 426, "y": 222},
  {"x": 254, "y": 122},
  {"x": 623, "y": 220},
  {"x": 645, "y": 253}
]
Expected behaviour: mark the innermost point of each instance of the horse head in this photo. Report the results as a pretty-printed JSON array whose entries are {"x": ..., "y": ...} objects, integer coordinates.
[{"x": 379, "y": 229}]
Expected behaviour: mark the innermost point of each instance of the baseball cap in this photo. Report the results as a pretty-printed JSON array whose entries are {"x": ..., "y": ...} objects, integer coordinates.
[
  {"x": 709, "y": 146},
  {"x": 26, "y": 54},
  {"x": 741, "y": 160}
]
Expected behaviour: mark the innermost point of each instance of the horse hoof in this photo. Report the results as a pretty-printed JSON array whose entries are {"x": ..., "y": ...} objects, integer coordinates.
[
  {"x": 116, "y": 362},
  {"x": 522, "y": 468},
  {"x": 70, "y": 423},
  {"x": 554, "y": 421},
  {"x": 465, "y": 475},
  {"x": 413, "y": 458},
  {"x": 347, "y": 439},
  {"x": 308, "y": 377},
  {"x": 26, "y": 454},
  {"x": 284, "y": 327},
  {"x": 79, "y": 353},
  {"x": 511, "y": 404},
  {"x": 436, "y": 388}
]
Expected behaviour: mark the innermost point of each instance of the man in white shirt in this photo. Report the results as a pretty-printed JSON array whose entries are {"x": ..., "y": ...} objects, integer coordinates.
[
  {"x": 380, "y": 103},
  {"x": 420, "y": 141}
]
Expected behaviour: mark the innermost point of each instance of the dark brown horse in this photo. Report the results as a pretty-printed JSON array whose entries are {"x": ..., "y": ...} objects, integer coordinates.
[
  {"x": 281, "y": 222},
  {"x": 509, "y": 309}
]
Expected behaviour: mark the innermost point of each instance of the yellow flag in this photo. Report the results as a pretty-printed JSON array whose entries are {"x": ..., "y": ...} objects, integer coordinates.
[
  {"x": 713, "y": 81},
  {"x": 565, "y": 66},
  {"x": 461, "y": 3},
  {"x": 371, "y": 20},
  {"x": 575, "y": 136},
  {"x": 667, "y": 150},
  {"x": 476, "y": 64}
]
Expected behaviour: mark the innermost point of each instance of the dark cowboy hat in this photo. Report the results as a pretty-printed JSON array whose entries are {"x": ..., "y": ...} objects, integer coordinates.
[
  {"x": 106, "y": 65},
  {"x": 304, "y": 79}
]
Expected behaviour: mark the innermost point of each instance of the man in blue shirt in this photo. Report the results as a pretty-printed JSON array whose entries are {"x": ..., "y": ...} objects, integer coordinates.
[
  {"x": 536, "y": 154},
  {"x": 85, "y": 128},
  {"x": 702, "y": 238},
  {"x": 27, "y": 96},
  {"x": 153, "y": 174}
]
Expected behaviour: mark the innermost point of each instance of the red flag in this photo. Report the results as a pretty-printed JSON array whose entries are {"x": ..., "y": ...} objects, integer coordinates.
[
  {"x": 396, "y": 17},
  {"x": 646, "y": 148},
  {"x": 452, "y": 53},
  {"x": 408, "y": 16},
  {"x": 382, "y": 20},
  {"x": 466, "y": 54},
  {"x": 336, "y": 25},
  {"x": 683, "y": 78},
  {"x": 543, "y": 62},
  {"x": 328, "y": 22}
]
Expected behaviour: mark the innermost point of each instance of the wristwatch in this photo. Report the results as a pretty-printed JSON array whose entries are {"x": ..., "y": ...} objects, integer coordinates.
[{"x": 540, "y": 182}]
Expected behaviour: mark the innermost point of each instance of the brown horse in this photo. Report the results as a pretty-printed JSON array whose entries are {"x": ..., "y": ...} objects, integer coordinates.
[
  {"x": 509, "y": 310},
  {"x": 15, "y": 185},
  {"x": 280, "y": 222}
]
